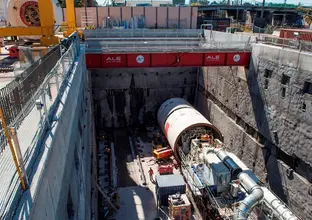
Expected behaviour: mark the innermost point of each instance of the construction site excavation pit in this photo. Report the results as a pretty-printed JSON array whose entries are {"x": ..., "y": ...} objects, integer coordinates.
[
  {"x": 226, "y": 103},
  {"x": 125, "y": 103}
]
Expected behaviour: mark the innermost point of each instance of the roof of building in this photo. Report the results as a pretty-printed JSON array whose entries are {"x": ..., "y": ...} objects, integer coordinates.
[{"x": 170, "y": 180}]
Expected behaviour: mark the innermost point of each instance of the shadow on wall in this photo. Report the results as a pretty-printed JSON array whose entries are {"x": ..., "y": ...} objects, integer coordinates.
[
  {"x": 132, "y": 97},
  {"x": 123, "y": 153},
  {"x": 274, "y": 178}
]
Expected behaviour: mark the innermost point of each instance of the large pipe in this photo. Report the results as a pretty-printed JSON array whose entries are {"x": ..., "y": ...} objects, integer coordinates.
[
  {"x": 254, "y": 190},
  {"x": 254, "y": 197},
  {"x": 279, "y": 208}
]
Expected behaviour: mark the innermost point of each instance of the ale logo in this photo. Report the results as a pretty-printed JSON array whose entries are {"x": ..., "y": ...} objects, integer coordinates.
[
  {"x": 236, "y": 58},
  {"x": 213, "y": 58},
  {"x": 113, "y": 59},
  {"x": 140, "y": 59}
]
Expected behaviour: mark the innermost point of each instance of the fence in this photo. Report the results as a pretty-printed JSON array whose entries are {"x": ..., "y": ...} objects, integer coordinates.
[
  {"x": 43, "y": 81},
  {"x": 97, "y": 34},
  {"x": 150, "y": 17},
  {"x": 287, "y": 43},
  {"x": 17, "y": 93},
  {"x": 144, "y": 40}
]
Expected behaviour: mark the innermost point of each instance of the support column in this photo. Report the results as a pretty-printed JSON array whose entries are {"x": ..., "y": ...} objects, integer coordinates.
[
  {"x": 262, "y": 9},
  {"x": 47, "y": 22},
  {"x": 7, "y": 134},
  {"x": 71, "y": 18}
]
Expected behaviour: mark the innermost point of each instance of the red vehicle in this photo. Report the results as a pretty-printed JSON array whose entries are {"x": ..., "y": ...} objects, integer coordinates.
[{"x": 165, "y": 169}]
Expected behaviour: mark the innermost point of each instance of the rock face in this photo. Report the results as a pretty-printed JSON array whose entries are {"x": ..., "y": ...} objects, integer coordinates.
[{"x": 264, "y": 113}]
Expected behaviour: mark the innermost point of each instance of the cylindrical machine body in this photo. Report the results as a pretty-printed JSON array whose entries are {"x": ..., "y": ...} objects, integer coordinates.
[
  {"x": 25, "y": 13},
  {"x": 176, "y": 115}
]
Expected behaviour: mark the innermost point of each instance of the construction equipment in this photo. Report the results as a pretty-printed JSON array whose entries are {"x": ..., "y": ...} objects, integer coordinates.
[
  {"x": 307, "y": 14},
  {"x": 158, "y": 141},
  {"x": 47, "y": 24},
  {"x": 165, "y": 169},
  {"x": 216, "y": 179},
  {"x": 162, "y": 153},
  {"x": 13, "y": 52},
  {"x": 179, "y": 207}
]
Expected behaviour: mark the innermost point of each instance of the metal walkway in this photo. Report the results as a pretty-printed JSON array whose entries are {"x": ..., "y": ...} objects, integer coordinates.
[{"x": 110, "y": 48}]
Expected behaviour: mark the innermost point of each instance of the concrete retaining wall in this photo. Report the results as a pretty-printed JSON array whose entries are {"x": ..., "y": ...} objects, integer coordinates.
[
  {"x": 65, "y": 185},
  {"x": 225, "y": 37},
  {"x": 127, "y": 97}
]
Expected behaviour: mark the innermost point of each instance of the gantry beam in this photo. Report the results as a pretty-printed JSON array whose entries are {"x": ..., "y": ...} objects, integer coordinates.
[
  {"x": 47, "y": 25},
  {"x": 20, "y": 31},
  {"x": 71, "y": 19}
]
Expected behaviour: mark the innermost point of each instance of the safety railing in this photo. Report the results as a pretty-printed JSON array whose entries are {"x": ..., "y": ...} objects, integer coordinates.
[
  {"x": 34, "y": 116},
  {"x": 134, "y": 33},
  {"x": 165, "y": 46},
  {"x": 141, "y": 40},
  {"x": 287, "y": 43},
  {"x": 232, "y": 45},
  {"x": 17, "y": 93}
]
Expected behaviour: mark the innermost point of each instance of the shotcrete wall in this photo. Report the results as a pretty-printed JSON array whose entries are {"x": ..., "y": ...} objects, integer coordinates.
[
  {"x": 264, "y": 114},
  {"x": 130, "y": 97},
  {"x": 64, "y": 190}
]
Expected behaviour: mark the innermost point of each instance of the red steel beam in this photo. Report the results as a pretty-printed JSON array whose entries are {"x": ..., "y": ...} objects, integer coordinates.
[{"x": 134, "y": 60}]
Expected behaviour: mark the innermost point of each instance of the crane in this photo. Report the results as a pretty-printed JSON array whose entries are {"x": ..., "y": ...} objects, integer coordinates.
[{"x": 46, "y": 30}]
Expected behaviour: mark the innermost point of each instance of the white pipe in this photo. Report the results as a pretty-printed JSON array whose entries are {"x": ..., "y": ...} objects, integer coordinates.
[
  {"x": 279, "y": 208},
  {"x": 256, "y": 194},
  {"x": 254, "y": 197}
]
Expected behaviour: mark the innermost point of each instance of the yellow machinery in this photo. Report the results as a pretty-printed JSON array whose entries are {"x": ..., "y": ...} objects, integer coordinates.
[
  {"x": 162, "y": 153},
  {"x": 308, "y": 14},
  {"x": 47, "y": 24}
]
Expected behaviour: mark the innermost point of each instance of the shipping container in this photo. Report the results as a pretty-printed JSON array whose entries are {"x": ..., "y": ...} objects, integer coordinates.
[
  {"x": 301, "y": 34},
  {"x": 167, "y": 185}
]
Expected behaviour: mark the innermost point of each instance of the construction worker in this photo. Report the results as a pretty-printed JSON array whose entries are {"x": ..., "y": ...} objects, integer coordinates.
[{"x": 151, "y": 172}]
